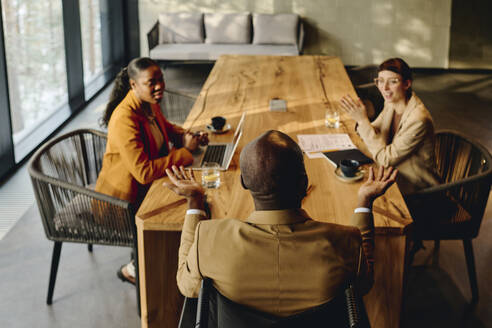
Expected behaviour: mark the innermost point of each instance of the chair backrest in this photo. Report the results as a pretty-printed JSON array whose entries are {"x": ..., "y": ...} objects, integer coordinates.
[
  {"x": 63, "y": 174},
  {"x": 75, "y": 157},
  {"x": 465, "y": 167},
  {"x": 363, "y": 75},
  {"x": 362, "y": 78},
  {"x": 372, "y": 98},
  {"x": 458, "y": 157},
  {"x": 215, "y": 310},
  {"x": 454, "y": 209},
  {"x": 176, "y": 105}
]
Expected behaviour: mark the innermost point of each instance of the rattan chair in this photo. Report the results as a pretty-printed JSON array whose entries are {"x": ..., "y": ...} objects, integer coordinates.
[
  {"x": 454, "y": 209},
  {"x": 176, "y": 105},
  {"x": 63, "y": 174},
  {"x": 213, "y": 310}
]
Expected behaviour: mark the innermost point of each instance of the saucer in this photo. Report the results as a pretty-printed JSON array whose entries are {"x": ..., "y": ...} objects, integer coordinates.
[
  {"x": 226, "y": 128},
  {"x": 358, "y": 175}
]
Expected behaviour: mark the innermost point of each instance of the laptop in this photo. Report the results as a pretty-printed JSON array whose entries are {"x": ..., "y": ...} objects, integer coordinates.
[{"x": 220, "y": 153}]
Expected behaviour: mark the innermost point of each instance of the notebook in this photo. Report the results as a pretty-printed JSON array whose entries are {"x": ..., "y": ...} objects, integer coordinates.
[
  {"x": 220, "y": 153},
  {"x": 334, "y": 157}
]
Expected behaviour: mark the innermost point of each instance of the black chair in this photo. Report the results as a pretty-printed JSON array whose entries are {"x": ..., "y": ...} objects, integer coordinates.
[
  {"x": 362, "y": 80},
  {"x": 361, "y": 75},
  {"x": 213, "y": 310},
  {"x": 63, "y": 174},
  {"x": 372, "y": 99},
  {"x": 454, "y": 209}
]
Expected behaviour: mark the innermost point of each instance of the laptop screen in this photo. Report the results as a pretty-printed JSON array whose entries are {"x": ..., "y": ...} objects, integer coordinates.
[
  {"x": 239, "y": 129},
  {"x": 237, "y": 135}
]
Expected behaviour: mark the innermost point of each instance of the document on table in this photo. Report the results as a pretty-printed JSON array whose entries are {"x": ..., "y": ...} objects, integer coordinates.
[{"x": 315, "y": 144}]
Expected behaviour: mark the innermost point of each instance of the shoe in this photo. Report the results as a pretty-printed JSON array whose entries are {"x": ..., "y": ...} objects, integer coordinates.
[{"x": 122, "y": 273}]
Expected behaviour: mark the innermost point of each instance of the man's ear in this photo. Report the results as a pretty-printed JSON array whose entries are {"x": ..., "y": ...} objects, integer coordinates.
[
  {"x": 132, "y": 83},
  {"x": 303, "y": 185},
  {"x": 242, "y": 182}
]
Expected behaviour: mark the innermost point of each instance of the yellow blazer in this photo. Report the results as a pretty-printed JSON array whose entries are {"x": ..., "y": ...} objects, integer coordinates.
[
  {"x": 280, "y": 262},
  {"x": 412, "y": 147},
  {"x": 132, "y": 161}
]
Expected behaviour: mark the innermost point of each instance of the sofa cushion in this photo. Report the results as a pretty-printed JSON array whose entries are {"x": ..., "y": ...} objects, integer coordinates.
[
  {"x": 181, "y": 28},
  {"x": 208, "y": 51},
  {"x": 275, "y": 28},
  {"x": 227, "y": 28}
]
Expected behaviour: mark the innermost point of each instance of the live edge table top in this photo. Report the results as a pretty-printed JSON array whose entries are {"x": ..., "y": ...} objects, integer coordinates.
[{"x": 310, "y": 85}]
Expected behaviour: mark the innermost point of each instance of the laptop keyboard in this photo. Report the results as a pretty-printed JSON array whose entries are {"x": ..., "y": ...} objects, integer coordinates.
[{"x": 214, "y": 154}]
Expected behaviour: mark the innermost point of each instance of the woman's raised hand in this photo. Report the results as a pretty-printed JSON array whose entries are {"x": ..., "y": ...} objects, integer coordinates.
[{"x": 354, "y": 108}]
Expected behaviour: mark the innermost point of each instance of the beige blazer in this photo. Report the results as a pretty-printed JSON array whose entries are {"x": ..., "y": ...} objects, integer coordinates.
[
  {"x": 412, "y": 147},
  {"x": 280, "y": 262}
]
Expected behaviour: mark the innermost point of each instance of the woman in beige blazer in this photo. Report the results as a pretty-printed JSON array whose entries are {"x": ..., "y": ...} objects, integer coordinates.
[{"x": 403, "y": 134}]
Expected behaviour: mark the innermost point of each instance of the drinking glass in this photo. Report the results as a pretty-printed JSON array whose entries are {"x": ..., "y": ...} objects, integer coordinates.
[
  {"x": 332, "y": 119},
  {"x": 211, "y": 175}
]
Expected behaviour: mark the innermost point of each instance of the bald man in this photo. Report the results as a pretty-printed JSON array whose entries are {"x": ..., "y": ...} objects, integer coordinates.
[{"x": 278, "y": 260}]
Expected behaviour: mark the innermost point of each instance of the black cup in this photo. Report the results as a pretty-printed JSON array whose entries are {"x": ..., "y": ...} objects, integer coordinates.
[
  {"x": 218, "y": 122},
  {"x": 349, "y": 167}
]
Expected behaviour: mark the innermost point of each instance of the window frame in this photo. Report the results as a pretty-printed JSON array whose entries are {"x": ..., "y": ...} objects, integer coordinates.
[{"x": 119, "y": 39}]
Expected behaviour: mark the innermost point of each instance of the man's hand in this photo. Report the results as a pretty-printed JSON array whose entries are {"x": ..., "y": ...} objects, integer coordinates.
[
  {"x": 183, "y": 183},
  {"x": 355, "y": 108},
  {"x": 376, "y": 186}
]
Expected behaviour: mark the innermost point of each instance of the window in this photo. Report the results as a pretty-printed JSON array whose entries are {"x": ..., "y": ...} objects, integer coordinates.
[
  {"x": 55, "y": 55},
  {"x": 36, "y": 68},
  {"x": 90, "y": 26}
]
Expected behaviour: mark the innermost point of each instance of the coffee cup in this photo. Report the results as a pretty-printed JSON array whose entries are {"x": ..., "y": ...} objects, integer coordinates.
[
  {"x": 218, "y": 122},
  {"x": 349, "y": 167}
]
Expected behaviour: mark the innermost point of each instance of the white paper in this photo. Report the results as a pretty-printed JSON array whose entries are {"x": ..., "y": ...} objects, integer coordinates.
[
  {"x": 310, "y": 143},
  {"x": 315, "y": 155}
]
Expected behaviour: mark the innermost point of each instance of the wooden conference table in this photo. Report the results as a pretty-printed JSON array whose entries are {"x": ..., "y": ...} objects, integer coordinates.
[{"x": 238, "y": 84}]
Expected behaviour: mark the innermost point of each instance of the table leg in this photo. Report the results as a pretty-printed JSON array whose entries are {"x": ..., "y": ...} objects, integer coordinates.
[
  {"x": 160, "y": 298},
  {"x": 384, "y": 301}
]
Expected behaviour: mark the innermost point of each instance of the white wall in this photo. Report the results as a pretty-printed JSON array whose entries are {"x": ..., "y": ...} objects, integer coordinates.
[{"x": 359, "y": 31}]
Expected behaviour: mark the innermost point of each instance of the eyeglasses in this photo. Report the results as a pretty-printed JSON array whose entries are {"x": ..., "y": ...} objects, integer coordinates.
[{"x": 391, "y": 81}]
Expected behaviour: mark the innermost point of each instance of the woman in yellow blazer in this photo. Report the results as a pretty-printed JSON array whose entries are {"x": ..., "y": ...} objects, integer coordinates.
[
  {"x": 403, "y": 134},
  {"x": 141, "y": 142}
]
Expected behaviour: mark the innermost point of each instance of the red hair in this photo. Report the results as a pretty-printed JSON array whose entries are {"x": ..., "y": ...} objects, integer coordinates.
[{"x": 398, "y": 66}]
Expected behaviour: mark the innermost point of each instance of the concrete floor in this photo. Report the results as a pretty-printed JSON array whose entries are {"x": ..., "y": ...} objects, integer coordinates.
[{"x": 88, "y": 294}]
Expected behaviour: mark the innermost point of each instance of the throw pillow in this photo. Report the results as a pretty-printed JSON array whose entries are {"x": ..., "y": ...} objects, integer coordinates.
[
  {"x": 228, "y": 28},
  {"x": 275, "y": 28},
  {"x": 181, "y": 28}
]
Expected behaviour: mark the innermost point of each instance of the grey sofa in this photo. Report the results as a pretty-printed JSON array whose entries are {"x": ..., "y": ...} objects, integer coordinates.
[{"x": 188, "y": 36}]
